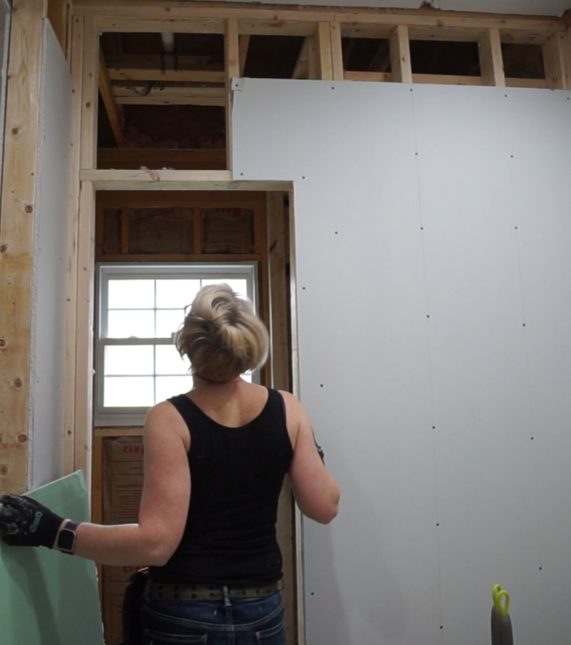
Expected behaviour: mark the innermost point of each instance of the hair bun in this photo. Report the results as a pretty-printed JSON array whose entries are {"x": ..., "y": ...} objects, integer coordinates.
[{"x": 221, "y": 335}]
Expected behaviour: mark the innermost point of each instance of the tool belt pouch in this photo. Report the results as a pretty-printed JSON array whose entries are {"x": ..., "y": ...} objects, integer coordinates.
[{"x": 133, "y": 608}]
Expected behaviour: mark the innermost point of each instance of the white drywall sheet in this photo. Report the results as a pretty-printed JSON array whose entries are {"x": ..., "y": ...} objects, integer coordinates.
[
  {"x": 48, "y": 319},
  {"x": 432, "y": 230}
]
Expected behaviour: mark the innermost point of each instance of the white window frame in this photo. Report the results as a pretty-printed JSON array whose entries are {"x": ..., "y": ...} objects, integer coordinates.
[{"x": 131, "y": 416}]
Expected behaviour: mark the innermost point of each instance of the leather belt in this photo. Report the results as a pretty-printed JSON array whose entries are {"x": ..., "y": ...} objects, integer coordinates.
[{"x": 172, "y": 591}]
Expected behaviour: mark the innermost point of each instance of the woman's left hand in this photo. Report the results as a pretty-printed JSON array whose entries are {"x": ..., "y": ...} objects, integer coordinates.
[{"x": 25, "y": 522}]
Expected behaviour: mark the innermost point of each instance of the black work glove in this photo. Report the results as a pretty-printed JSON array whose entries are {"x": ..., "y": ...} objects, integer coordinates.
[{"x": 25, "y": 522}]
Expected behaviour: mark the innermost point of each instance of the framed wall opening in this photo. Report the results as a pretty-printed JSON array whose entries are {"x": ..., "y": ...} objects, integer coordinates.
[{"x": 190, "y": 228}]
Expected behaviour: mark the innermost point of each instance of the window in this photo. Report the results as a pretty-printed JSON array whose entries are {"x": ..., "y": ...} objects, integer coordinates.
[{"x": 140, "y": 308}]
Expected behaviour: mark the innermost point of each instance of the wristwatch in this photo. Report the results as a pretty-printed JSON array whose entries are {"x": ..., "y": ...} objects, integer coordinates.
[{"x": 66, "y": 537}]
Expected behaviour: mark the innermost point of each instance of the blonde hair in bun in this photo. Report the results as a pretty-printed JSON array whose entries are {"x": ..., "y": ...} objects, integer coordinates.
[{"x": 221, "y": 335}]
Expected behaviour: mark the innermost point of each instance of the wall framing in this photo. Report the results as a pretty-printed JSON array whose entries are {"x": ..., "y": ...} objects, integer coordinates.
[{"x": 324, "y": 29}]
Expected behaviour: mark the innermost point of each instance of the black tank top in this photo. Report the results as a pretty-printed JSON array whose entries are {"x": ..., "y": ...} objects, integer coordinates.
[{"x": 236, "y": 478}]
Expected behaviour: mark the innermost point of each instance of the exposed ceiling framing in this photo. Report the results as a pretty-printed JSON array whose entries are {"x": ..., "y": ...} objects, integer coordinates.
[{"x": 425, "y": 45}]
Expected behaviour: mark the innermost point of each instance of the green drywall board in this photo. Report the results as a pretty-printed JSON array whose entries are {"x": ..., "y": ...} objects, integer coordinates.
[{"x": 47, "y": 597}]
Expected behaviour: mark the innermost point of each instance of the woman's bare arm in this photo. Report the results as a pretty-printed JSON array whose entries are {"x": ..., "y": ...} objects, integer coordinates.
[
  {"x": 315, "y": 489},
  {"x": 164, "y": 503}
]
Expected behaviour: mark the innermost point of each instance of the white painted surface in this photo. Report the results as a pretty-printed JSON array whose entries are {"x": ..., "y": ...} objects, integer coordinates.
[
  {"x": 48, "y": 324},
  {"x": 432, "y": 224},
  {"x": 522, "y": 7}
]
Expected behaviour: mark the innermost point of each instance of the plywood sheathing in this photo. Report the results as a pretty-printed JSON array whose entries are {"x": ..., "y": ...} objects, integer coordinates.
[{"x": 17, "y": 228}]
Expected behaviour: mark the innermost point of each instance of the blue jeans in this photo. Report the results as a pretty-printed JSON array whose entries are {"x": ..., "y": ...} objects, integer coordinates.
[{"x": 231, "y": 622}]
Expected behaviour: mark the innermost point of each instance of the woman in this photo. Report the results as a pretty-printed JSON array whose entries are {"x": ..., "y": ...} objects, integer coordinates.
[{"x": 215, "y": 459}]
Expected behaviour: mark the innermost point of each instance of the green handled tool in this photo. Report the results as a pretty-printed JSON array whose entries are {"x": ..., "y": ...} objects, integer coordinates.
[{"x": 502, "y": 633}]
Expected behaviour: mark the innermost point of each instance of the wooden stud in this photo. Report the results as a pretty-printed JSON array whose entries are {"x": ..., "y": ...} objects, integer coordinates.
[
  {"x": 324, "y": 58},
  {"x": 491, "y": 59},
  {"x": 232, "y": 50},
  {"x": 84, "y": 331},
  {"x": 76, "y": 61},
  {"x": 197, "y": 230},
  {"x": 336, "y": 52},
  {"x": 554, "y": 61},
  {"x": 232, "y": 68},
  {"x": 401, "y": 67},
  {"x": 113, "y": 110},
  {"x": 85, "y": 263},
  {"x": 17, "y": 229}
]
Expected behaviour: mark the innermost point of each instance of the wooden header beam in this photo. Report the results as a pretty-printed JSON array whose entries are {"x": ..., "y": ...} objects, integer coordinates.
[
  {"x": 169, "y": 10},
  {"x": 182, "y": 17},
  {"x": 145, "y": 179}
]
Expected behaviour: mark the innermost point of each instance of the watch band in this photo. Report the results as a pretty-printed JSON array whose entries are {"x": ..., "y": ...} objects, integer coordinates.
[{"x": 66, "y": 537}]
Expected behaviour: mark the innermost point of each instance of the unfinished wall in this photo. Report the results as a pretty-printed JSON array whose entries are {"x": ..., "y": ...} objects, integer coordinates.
[
  {"x": 48, "y": 323},
  {"x": 432, "y": 236}
]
